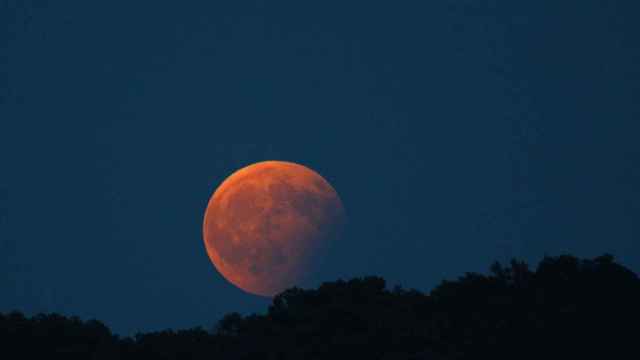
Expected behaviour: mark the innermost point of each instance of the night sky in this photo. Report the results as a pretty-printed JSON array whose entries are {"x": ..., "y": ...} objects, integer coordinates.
[{"x": 456, "y": 133}]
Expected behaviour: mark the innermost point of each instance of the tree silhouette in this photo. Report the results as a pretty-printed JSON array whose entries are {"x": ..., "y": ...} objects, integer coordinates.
[{"x": 566, "y": 308}]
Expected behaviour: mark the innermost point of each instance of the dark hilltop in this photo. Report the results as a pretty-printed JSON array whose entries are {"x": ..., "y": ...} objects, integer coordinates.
[{"x": 567, "y": 308}]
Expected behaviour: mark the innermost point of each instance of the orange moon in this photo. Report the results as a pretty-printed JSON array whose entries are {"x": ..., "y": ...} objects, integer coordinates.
[{"x": 268, "y": 224}]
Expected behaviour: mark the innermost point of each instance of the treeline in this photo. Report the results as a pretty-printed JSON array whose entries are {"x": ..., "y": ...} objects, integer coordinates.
[{"x": 566, "y": 308}]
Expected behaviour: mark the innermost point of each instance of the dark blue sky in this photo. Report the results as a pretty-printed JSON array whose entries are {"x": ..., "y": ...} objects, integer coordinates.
[{"x": 456, "y": 132}]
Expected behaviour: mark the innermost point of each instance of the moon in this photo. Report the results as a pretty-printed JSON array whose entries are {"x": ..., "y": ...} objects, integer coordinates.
[{"x": 268, "y": 225}]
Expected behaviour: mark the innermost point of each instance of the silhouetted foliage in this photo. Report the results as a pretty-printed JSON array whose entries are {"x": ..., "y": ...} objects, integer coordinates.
[{"x": 566, "y": 308}]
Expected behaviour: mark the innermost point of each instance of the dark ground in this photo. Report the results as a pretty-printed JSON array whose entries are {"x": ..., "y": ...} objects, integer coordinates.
[{"x": 565, "y": 309}]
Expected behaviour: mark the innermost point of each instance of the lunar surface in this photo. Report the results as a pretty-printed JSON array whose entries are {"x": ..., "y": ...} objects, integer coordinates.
[{"x": 267, "y": 225}]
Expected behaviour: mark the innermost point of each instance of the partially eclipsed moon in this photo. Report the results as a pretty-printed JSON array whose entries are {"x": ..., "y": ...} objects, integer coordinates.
[{"x": 267, "y": 224}]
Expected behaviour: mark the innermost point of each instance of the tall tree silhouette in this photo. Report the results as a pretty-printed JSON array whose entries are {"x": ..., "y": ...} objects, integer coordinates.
[{"x": 566, "y": 308}]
